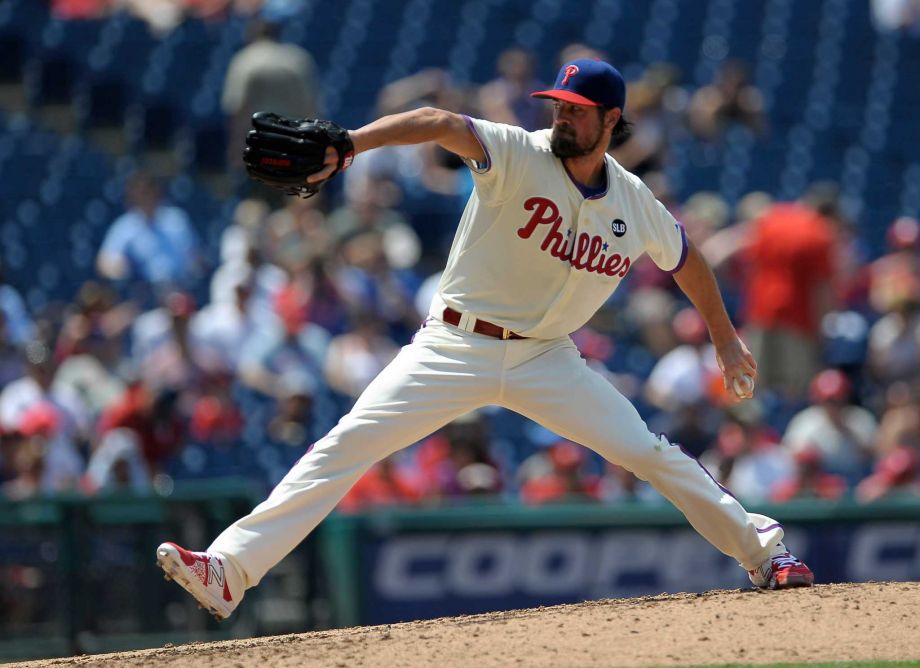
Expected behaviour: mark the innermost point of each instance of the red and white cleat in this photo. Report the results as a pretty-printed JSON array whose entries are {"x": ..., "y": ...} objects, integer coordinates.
[
  {"x": 782, "y": 571},
  {"x": 208, "y": 577}
]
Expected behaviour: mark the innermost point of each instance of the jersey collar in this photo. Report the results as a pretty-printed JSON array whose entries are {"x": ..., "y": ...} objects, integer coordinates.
[{"x": 590, "y": 193}]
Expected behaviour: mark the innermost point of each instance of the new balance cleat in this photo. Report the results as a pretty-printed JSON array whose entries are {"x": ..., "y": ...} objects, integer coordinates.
[
  {"x": 782, "y": 571},
  {"x": 208, "y": 577}
]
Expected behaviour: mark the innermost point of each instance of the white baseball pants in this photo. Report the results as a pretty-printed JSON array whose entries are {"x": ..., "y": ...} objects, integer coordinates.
[{"x": 446, "y": 372}]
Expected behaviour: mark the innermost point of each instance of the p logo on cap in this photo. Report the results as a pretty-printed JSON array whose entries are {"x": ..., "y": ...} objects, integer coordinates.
[{"x": 570, "y": 71}]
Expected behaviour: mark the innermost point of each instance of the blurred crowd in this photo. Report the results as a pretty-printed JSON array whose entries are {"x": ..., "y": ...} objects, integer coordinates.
[
  {"x": 179, "y": 361},
  {"x": 164, "y": 15}
]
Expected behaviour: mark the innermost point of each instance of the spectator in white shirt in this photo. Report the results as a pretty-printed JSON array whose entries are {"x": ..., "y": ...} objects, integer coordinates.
[
  {"x": 355, "y": 358},
  {"x": 43, "y": 459},
  {"x": 118, "y": 464},
  {"x": 680, "y": 377},
  {"x": 37, "y": 387},
  {"x": 161, "y": 346},
  {"x": 841, "y": 432},
  {"x": 219, "y": 329},
  {"x": 288, "y": 344}
]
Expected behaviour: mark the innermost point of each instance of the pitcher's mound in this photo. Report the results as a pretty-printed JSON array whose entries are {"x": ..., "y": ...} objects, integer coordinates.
[{"x": 844, "y": 622}]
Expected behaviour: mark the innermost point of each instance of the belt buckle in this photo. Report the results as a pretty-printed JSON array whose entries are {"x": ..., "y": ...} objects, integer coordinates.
[{"x": 506, "y": 333}]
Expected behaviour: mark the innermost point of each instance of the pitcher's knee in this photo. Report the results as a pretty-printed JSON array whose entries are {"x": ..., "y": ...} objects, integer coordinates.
[{"x": 644, "y": 458}]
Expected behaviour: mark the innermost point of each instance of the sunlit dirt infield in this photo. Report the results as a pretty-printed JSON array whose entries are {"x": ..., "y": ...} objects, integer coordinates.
[{"x": 869, "y": 621}]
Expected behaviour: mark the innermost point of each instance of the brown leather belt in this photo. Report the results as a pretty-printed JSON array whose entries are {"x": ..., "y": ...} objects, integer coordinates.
[{"x": 452, "y": 317}]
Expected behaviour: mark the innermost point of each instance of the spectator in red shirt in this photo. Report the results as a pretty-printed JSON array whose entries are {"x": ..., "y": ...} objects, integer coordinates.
[
  {"x": 810, "y": 481},
  {"x": 566, "y": 481},
  {"x": 154, "y": 417},
  {"x": 789, "y": 257},
  {"x": 383, "y": 485},
  {"x": 80, "y": 9},
  {"x": 896, "y": 474},
  {"x": 36, "y": 457},
  {"x": 215, "y": 417}
]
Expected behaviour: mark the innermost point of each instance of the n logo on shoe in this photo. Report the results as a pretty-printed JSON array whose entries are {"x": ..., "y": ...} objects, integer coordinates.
[{"x": 216, "y": 573}]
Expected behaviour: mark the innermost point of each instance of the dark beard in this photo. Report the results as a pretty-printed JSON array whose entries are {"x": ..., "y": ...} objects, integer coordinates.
[{"x": 566, "y": 146}]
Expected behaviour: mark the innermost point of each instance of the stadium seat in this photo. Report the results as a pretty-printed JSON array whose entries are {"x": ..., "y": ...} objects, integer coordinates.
[
  {"x": 151, "y": 133},
  {"x": 101, "y": 103},
  {"x": 14, "y": 47},
  {"x": 210, "y": 146},
  {"x": 12, "y": 65},
  {"x": 51, "y": 79},
  {"x": 27, "y": 16}
]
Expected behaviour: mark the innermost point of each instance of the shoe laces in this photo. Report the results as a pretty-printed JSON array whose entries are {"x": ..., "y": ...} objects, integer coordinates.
[{"x": 784, "y": 560}]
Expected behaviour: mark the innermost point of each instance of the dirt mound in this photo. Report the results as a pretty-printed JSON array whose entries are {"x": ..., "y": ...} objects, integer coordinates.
[{"x": 869, "y": 621}]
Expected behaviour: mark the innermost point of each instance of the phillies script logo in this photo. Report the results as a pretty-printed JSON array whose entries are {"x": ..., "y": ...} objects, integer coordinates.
[
  {"x": 583, "y": 251},
  {"x": 570, "y": 72}
]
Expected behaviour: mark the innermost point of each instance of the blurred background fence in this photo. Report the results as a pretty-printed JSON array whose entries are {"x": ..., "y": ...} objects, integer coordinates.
[{"x": 77, "y": 575}]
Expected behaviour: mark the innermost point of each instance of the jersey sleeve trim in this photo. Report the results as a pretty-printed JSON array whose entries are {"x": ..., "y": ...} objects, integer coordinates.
[
  {"x": 475, "y": 165},
  {"x": 683, "y": 251}
]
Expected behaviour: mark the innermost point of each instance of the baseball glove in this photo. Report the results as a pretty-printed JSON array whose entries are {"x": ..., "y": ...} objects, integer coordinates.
[{"x": 282, "y": 152}]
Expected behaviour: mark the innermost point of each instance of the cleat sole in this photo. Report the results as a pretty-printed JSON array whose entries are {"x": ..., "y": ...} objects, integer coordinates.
[{"x": 793, "y": 581}]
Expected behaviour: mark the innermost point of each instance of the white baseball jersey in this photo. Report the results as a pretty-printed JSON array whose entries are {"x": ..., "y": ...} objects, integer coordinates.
[{"x": 532, "y": 254}]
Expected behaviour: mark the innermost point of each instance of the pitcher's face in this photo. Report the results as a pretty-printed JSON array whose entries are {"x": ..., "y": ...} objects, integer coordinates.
[{"x": 577, "y": 129}]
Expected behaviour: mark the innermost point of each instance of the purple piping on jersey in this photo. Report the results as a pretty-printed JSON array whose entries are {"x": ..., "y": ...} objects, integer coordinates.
[
  {"x": 586, "y": 191},
  {"x": 485, "y": 149},
  {"x": 420, "y": 328},
  {"x": 683, "y": 251},
  {"x": 310, "y": 447},
  {"x": 776, "y": 525},
  {"x": 770, "y": 528},
  {"x": 681, "y": 448}
]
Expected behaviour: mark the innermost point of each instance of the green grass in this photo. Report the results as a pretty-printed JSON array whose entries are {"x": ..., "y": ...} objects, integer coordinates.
[{"x": 831, "y": 664}]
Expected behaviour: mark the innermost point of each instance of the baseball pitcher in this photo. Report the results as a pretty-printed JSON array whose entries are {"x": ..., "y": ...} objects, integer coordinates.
[{"x": 551, "y": 228}]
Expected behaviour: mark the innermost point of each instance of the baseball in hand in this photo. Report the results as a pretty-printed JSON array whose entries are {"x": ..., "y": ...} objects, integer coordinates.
[{"x": 744, "y": 386}]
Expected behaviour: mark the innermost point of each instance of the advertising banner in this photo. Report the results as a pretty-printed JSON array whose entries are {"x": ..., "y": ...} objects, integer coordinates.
[{"x": 409, "y": 568}]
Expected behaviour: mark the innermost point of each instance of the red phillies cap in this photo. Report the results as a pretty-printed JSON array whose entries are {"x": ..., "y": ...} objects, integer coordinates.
[
  {"x": 904, "y": 233},
  {"x": 590, "y": 82},
  {"x": 42, "y": 418},
  {"x": 830, "y": 385}
]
